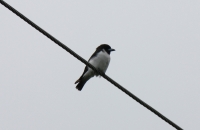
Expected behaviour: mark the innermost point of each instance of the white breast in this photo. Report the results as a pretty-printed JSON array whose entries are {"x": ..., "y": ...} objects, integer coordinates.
[{"x": 101, "y": 61}]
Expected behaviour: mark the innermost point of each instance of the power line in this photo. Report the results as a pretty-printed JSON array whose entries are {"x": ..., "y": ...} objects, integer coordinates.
[{"x": 89, "y": 65}]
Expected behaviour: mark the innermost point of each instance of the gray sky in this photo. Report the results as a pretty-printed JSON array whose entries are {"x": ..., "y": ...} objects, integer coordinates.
[{"x": 157, "y": 58}]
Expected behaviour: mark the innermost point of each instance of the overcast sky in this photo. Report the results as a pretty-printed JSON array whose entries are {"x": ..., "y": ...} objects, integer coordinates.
[{"x": 157, "y": 47}]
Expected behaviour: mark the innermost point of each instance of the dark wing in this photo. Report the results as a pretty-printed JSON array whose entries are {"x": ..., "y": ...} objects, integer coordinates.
[
  {"x": 95, "y": 54},
  {"x": 85, "y": 70}
]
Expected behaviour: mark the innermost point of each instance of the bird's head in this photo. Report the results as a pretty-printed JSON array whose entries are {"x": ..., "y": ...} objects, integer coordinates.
[{"x": 105, "y": 47}]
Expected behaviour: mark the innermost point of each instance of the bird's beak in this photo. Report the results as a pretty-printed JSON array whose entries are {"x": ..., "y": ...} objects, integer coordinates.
[{"x": 111, "y": 49}]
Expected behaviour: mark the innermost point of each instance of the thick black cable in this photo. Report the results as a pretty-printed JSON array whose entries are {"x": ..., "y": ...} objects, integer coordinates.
[{"x": 88, "y": 64}]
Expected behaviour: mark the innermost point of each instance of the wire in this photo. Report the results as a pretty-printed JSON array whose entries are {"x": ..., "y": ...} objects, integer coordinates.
[{"x": 89, "y": 65}]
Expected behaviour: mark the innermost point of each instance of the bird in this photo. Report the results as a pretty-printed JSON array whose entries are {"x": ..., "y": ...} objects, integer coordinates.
[{"x": 100, "y": 59}]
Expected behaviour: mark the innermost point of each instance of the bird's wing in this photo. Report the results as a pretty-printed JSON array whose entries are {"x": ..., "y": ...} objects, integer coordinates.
[
  {"x": 85, "y": 70},
  {"x": 94, "y": 54}
]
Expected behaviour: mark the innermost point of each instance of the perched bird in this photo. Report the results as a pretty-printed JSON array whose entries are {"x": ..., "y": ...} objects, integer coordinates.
[{"x": 100, "y": 59}]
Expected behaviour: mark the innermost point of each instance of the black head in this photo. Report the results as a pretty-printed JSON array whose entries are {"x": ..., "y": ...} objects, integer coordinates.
[{"x": 105, "y": 47}]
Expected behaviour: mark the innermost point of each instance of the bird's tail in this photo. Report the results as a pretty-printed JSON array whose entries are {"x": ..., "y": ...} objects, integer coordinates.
[{"x": 80, "y": 84}]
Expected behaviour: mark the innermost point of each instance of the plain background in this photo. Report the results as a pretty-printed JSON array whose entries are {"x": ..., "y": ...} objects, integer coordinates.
[{"x": 157, "y": 58}]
